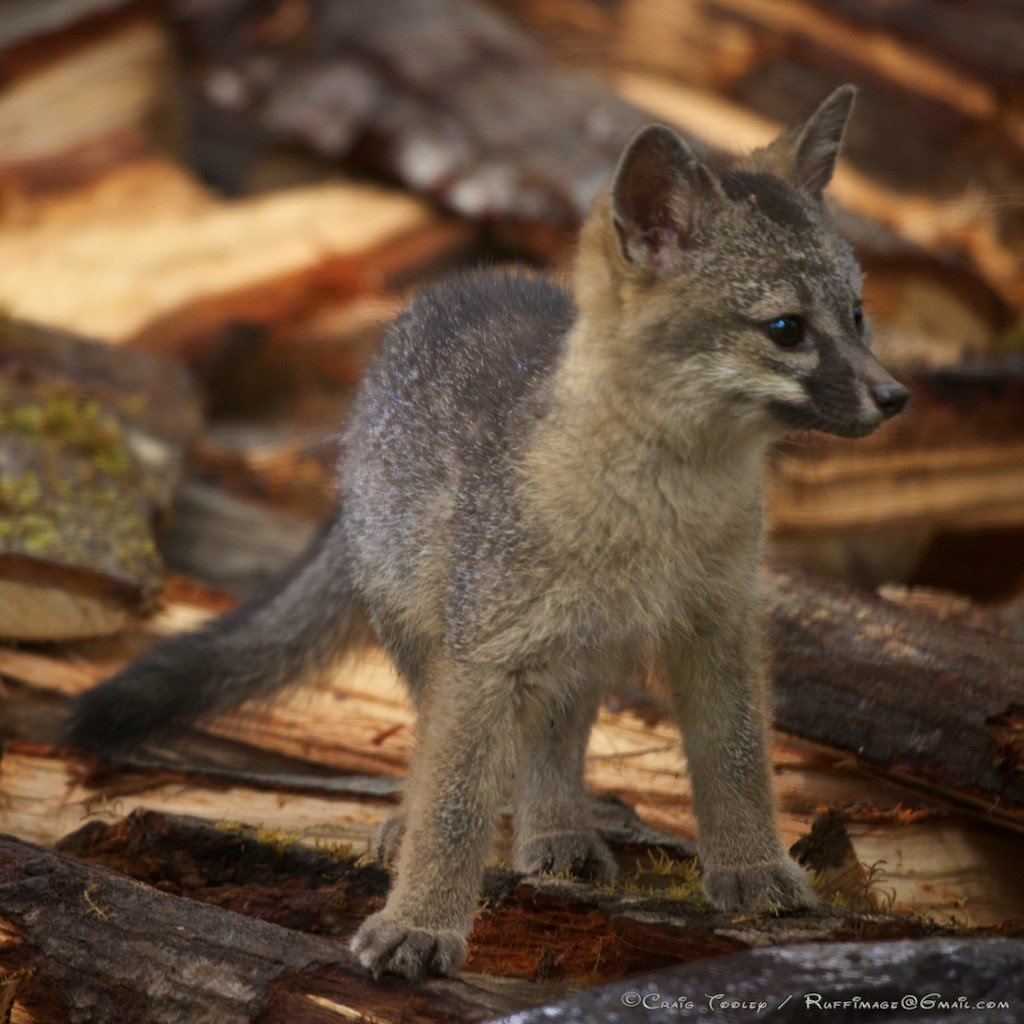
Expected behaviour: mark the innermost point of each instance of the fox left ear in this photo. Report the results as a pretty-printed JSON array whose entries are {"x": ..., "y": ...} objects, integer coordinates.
[{"x": 806, "y": 154}]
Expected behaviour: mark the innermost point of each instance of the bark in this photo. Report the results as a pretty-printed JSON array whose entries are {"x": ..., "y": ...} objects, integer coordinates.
[
  {"x": 447, "y": 96},
  {"x": 97, "y": 940},
  {"x": 28, "y": 19},
  {"x": 91, "y": 453},
  {"x": 896, "y": 974},
  {"x": 904, "y": 691},
  {"x": 100, "y": 947}
]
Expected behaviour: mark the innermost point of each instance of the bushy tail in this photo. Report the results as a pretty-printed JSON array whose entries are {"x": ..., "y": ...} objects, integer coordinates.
[{"x": 296, "y": 629}]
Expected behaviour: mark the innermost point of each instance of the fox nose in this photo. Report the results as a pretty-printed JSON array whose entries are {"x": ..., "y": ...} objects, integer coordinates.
[{"x": 890, "y": 397}]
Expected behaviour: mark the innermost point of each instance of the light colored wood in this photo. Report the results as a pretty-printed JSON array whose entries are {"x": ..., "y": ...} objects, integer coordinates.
[
  {"x": 953, "y": 487},
  {"x": 46, "y": 797},
  {"x": 101, "y": 90},
  {"x": 117, "y": 258},
  {"x": 48, "y": 611}
]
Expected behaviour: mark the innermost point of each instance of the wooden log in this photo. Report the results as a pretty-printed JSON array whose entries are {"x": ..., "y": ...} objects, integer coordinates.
[
  {"x": 961, "y": 979},
  {"x": 362, "y": 723},
  {"x": 90, "y": 454},
  {"x": 202, "y": 540},
  {"x": 204, "y": 263},
  {"x": 955, "y": 460},
  {"x": 845, "y": 662},
  {"x": 535, "y": 930},
  {"x": 85, "y": 85},
  {"x": 97, "y": 947},
  {"x": 473, "y": 114}
]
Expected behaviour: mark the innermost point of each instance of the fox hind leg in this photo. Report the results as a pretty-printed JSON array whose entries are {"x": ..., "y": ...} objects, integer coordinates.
[{"x": 553, "y": 830}]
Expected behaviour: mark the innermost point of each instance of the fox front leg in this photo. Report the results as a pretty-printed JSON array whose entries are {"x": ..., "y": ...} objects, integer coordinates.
[
  {"x": 468, "y": 750},
  {"x": 715, "y": 679}
]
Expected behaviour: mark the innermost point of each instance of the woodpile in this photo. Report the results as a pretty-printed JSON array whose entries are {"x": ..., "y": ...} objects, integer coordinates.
[{"x": 209, "y": 209}]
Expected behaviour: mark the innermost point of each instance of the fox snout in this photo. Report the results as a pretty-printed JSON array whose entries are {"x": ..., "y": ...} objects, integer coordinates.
[
  {"x": 890, "y": 397},
  {"x": 874, "y": 397}
]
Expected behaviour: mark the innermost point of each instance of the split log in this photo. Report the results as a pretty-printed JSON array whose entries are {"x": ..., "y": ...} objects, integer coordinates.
[
  {"x": 964, "y": 422},
  {"x": 90, "y": 454},
  {"x": 959, "y": 865},
  {"x": 96, "y": 947},
  {"x": 85, "y": 82},
  {"x": 546, "y": 933},
  {"x": 963, "y": 980},
  {"x": 207, "y": 264}
]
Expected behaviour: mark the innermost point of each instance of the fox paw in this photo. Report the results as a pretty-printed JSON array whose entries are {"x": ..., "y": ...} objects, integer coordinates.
[
  {"x": 766, "y": 886},
  {"x": 385, "y": 944},
  {"x": 388, "y": 838},
  {"x": 582, "y": 854}
]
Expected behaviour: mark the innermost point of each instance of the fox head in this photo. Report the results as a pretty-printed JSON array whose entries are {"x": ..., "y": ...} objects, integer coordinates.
[{"x": 730, "y": 288}]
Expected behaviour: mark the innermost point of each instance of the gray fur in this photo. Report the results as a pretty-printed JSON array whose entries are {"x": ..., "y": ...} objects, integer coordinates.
[
  {"x": 288, "y": 634},
  {"x": 540, "y": 494}
]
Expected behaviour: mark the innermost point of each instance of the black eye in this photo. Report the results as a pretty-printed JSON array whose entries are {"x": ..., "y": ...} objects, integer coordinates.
[
  {"x": 786, "y": 331},
  {"x": 858, "y": 317}
]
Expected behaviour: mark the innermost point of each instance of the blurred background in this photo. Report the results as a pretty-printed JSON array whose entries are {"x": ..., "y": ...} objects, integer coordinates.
[
  {"x": 210, "y": 209},
  {"x": 252, "y": 188}
]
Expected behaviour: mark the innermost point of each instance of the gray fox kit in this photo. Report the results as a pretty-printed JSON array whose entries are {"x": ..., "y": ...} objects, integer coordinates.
[{"x": 540, "y": 494}]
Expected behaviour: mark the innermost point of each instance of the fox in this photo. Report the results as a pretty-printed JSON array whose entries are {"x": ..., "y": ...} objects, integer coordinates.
[{"x": 543, "y": 490}]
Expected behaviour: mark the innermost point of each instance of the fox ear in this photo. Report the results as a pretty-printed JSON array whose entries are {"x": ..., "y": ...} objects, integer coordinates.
[
  {"x": 658, "y": 193},
  {"x": 806, "y": 154}
]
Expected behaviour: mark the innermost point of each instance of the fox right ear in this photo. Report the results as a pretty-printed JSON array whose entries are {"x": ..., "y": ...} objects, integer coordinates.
[{"x": 658, "y": 193}]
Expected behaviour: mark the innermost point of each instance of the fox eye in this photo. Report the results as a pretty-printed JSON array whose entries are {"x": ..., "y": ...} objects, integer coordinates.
[
  {"x": 858, "y": 317},
  {"x": 786, "y": 331}
]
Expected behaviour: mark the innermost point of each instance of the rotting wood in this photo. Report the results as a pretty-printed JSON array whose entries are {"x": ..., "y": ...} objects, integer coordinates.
[
  {"x": 101, "y": 947},
  {"x": 91, "y": 451},
  {"x": 591, "y": 933}
]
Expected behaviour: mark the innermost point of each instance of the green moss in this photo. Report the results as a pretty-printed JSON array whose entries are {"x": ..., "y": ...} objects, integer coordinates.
[
  {"x": 77, "y": 424},
  {"x": 69, "y": 512}
]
